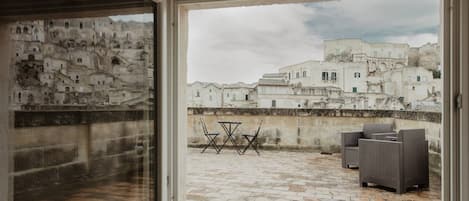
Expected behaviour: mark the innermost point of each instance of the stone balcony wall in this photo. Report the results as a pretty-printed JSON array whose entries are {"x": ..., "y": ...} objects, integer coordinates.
[
  {"x": 52, "y": 149},
  {"x": 311, "y": 129}
]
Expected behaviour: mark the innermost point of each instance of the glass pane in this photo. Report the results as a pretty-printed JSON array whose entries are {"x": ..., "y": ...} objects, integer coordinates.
[{"x": 82, "y": 95}]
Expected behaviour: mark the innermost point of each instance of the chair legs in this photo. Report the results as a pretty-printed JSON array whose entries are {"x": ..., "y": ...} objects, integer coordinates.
[
  {"x": 211, "y": 143},
  {"x": 251, "y": 143}
]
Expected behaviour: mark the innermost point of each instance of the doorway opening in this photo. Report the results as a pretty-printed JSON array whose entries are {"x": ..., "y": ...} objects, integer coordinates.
[{"x": 313, "y": 73}]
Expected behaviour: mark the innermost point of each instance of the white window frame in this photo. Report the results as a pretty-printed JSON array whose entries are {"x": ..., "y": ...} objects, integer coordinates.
[{"x": 174, "y": 55}]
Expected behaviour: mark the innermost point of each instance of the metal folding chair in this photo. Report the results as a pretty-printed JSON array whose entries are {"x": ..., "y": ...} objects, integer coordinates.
[
  {"x": 252, "y": 140},
  {"x": 210, "y": 136}
]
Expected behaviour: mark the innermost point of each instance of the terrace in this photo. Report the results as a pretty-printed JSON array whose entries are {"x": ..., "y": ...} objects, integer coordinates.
[{"x": 284, "y": 175}]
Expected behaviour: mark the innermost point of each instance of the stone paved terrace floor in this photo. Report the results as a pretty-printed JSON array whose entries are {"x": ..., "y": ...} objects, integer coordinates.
[{"x": 282, "y": 175}]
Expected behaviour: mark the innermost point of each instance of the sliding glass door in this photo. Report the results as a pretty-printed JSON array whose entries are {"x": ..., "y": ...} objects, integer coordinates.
[{"x": 81, "y": 102}]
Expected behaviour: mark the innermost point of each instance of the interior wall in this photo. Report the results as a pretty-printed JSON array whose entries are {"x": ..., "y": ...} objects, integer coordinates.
[{"x": 4, "y": 114}]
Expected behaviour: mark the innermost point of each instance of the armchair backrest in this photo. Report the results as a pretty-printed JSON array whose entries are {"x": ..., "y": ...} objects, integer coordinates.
[
  {"x": 369, "y": 129},
  {"x": 412, "y": 136}
]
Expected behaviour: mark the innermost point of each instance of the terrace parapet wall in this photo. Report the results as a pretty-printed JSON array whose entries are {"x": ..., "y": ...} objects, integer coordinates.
[{"x": 312, "y": 129}]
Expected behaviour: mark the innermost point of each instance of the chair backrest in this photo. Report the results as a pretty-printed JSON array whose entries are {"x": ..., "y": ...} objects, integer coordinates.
[
  {"x": 411, "y": 136},
  {"x": 369, "y": 129},
  {"x": 259, "y": 128},
  {"x": 204, "y": 127}
]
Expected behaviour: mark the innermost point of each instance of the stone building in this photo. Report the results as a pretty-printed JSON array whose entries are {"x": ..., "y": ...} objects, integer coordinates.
[
  {"x": 201, "y": 94},
  {"x": 355, "y": 75},
  {"x": 377, "y": 56},
  {"x": 204, "y": 95},
  {"x": 239, "y": 95},
  {"x": 81, "y": 61}
]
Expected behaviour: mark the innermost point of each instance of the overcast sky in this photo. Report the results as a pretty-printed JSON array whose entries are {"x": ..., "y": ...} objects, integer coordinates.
[{"x": 240, "y": 44}]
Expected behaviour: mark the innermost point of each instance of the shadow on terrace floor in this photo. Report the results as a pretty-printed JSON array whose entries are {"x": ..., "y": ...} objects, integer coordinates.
[{"x": 282, "y": 175}]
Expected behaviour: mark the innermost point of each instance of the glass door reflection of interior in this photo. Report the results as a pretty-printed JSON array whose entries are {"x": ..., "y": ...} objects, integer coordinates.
[{"x": 82, "y": 96}]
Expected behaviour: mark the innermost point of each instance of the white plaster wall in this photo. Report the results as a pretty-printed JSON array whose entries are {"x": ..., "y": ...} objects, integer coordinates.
[
  {"x": 350, "y": 81},
  {"x": 210, "y": 95}
]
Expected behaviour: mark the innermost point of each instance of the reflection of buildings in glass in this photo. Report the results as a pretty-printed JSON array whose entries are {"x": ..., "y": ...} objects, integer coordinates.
[{"x": 82, "y": 62}]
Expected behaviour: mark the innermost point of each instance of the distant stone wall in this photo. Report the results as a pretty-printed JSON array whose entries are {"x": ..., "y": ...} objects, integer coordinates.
[
  {"x": 311, "y": 129},
  {"x": 59, "y": 148}
]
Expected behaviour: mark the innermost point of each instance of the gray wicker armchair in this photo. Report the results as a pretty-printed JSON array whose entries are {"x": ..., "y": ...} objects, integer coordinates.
[
  {"x": 397, "y": 164},
  {"x": 350, "y": 148}
]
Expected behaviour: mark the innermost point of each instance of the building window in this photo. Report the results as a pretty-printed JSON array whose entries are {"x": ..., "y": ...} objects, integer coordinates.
[
  {"x": 325, "y": 76},
  {"x": 19, "y": 97},
  {"x": 274, "y": 103},
  {"x": 25, "y": 30},
  {"x": 210, "y": 90},
  {"x": 228, "y": 95},
  {"x": 18, "y": 30},
  {"x": 80, "y": 60},
  {"x": 67, "y": 25},
  {"x": 304, "y": 74},
  {"x": 418, "y": 78},
  {"x": 356, "y": 75},
  {"x": 246, "y": 97},
  {"x": 334, "y": 76},
  {"x": 289, "y": 76},
  {"x": 354, "y": 89},
  {"x": 297, "y": 74},
  {"x": 413, "y": 88},
  {"x": 81, "y": 25},
  {"x": 51, "y": 24},
  {"x": 197, "y": 94}
]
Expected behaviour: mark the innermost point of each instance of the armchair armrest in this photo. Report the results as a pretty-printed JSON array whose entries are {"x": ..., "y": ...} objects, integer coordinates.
[
  {"x": 350, "y": 138},
  {"x": 383, "y": 136}
]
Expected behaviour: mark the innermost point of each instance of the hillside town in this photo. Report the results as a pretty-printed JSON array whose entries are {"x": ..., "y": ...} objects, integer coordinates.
[
  {"x": 112, "y": 66},
  {"x": 355, "y": 74},
  {"x": 82, "y": 62}
]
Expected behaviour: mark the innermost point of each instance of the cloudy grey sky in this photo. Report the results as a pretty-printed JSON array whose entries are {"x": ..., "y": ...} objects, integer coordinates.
[{"x": 240, "y": 44}]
